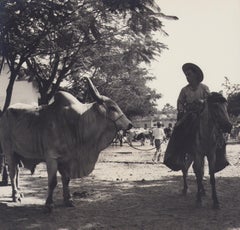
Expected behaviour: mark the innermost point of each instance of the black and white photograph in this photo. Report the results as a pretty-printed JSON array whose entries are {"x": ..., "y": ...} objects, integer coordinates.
[{"x": 119, "y": 114}]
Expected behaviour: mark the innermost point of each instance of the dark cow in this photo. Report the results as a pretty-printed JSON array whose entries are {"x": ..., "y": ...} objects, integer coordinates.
[{"x": 67, "y": 134}]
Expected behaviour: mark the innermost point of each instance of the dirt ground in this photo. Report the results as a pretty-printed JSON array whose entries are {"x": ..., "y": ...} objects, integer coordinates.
[{"x": 126, "y": 191}]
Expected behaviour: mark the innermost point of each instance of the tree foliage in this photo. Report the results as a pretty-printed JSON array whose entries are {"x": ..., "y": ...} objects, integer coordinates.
[
  {"x": 233, "y": 97},
  {"x": 107, "y": 40},
  {"x": 168, "y": 109}
]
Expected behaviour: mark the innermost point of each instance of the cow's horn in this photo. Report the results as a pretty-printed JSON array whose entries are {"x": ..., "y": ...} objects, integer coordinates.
[{"x": 93, "y": 90}]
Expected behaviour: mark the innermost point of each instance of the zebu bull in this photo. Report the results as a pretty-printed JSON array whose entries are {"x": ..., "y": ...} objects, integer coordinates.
[
  {"x": 207, "y": 141},
  {"x": 67, "y": 134}
]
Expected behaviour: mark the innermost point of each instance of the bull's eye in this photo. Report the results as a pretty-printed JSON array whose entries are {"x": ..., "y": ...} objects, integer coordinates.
[{"x": 113, "y": 109}]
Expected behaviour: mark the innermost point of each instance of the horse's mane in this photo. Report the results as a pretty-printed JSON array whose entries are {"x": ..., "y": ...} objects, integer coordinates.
[{"x": 215, "y": 97}]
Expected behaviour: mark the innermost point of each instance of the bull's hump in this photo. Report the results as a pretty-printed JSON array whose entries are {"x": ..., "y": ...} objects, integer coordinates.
[
  {"x": 22, "y": 106},
  {"x": 65, "y": 99}
]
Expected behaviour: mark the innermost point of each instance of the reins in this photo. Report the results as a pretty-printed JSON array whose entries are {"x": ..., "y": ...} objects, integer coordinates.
[{"x": 142, "y": 149}]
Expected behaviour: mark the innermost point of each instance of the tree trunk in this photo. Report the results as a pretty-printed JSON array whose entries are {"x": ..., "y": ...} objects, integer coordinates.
[{"x": 9, "y": 90}]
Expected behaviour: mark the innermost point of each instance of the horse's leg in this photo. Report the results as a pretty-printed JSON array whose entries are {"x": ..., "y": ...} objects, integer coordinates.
[
  {"x": 52, "y": 182},
  {"x": 65, "y": 174},
  {"x": 211, "y": 163},
  {"x": 185, "y": 186},
  {"x": 188, "y": 162},
  {"x": 198, "y": 167}
]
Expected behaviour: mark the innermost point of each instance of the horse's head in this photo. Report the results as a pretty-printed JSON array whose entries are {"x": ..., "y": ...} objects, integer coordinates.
[{"x": 218, "y": 107}]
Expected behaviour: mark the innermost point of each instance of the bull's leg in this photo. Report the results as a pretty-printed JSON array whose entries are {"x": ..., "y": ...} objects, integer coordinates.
[
  {"x": 5, "y": 175},
  {"x": 65, "y": 173},
  {"x": 13, "y": 174},
  {"x": 52, "y": 182},
  {"x": 198, "y": 167},
  {"x": 17, "y": 176},
  {"x": 211, "y": 163}
]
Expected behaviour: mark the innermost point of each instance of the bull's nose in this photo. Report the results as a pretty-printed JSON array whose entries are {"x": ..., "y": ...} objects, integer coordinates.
[{"x": 130, "y": 125}]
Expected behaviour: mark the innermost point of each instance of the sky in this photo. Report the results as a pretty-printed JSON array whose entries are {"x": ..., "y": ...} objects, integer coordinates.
[{"x": 207, "y": 34}]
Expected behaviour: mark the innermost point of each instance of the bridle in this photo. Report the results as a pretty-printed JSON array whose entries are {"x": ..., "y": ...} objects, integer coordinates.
[{"x": 120, "y": 116}]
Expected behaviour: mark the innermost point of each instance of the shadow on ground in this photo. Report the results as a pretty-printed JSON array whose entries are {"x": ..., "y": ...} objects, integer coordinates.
[{"x": 143, "y": 204}]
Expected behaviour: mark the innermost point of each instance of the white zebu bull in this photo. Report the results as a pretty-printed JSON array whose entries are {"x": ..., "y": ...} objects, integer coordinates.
[{"x": 67, "y": 134}]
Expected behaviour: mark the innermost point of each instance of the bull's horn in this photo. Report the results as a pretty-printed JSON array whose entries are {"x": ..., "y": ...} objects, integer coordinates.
[{"x": 93, "y": 90}]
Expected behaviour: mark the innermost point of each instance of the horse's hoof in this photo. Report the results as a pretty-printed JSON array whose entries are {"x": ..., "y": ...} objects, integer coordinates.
[
  {"x": 48, "y": 208},
  {"x": 69, "y": 203}
]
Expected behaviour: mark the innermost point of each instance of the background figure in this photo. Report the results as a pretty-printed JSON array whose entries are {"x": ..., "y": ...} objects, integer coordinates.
[
  {"x": 151, "y": 138},
  {"x": 130, "y": 136},
  {"x": 168, "y": 131},
  {"x": 159, "y": 136},
  {"x": 120, "y": 137}
]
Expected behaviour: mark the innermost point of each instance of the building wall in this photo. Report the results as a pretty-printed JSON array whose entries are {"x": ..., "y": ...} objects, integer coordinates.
[
  {"x": 23, "y": 91},
  {"x": 143, "y": 123}
]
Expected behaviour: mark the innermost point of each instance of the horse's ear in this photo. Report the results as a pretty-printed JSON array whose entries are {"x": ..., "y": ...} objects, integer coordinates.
[{"x": 215, "y": 97}]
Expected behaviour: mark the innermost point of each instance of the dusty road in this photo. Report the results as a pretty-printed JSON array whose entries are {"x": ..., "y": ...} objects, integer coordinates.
[{"x": 126, "y": 191}]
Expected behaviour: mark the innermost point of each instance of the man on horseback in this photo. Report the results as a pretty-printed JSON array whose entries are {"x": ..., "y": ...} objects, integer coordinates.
[
  {"x": 190, "y": 104},
  {"x": 193, "y": 94}
]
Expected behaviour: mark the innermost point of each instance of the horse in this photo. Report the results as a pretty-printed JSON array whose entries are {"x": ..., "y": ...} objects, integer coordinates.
[{"x": 209, "y": 142}]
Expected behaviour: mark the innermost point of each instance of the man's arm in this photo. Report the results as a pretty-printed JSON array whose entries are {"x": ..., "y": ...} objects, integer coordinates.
[{"x": 181, "y": 103}]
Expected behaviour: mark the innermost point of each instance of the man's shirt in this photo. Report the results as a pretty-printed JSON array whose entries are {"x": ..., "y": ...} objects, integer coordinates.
[
  {"x": 188, "y": 95},
  {"x": 158, "y": 133}
]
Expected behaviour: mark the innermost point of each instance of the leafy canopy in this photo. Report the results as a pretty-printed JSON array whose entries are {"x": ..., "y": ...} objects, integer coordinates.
[{"x": 108, "y": 40}]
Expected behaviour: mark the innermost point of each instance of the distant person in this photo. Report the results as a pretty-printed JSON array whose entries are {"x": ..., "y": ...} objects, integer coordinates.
[
  {"x": 168, "y": 131},
  {"x": 159, "y": 136},
  {"x": 130, "y": 136},
  {"x": 120, "y": 137},
  {"x": 150, "y": 133}
]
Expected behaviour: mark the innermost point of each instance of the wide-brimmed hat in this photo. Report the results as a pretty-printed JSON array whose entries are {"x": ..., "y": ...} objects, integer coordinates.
[{"x": 195, "y": 69}]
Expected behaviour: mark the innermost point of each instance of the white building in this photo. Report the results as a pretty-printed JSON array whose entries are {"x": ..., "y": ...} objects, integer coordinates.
[{"x": 23, "y": 91}]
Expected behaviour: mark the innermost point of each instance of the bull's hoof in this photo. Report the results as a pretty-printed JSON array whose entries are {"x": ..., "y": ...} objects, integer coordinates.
[
  {"x": 69, "y": 203},
  {"x": 17, "y": 198},
  {"x": 48, "y": 208}
]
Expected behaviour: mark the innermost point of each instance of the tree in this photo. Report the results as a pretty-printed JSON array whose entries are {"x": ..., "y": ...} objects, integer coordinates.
[
  {"x": 234, "y": 104},
  {"x": 23, "y": 26},
  {"x": 131, "y": 93},
  {"x": 62, "y": 39},
  {"x": 233, "y": 97},
  {"x": 230, "y": 88},
  {"x": 168, "y": 109}
]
